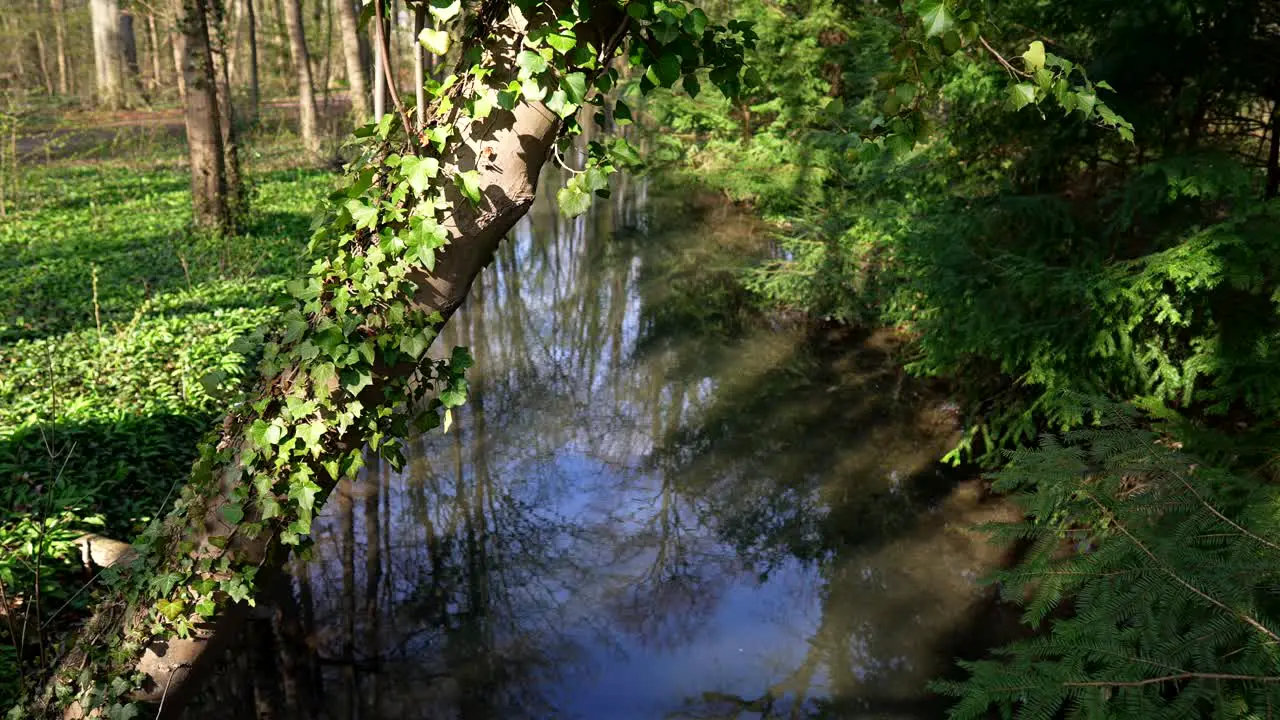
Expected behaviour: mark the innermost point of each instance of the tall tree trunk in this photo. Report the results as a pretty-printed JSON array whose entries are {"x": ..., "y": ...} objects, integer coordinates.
[
  {"x": 129, "y": 56},
  {"x": 353, "y": 56},
  {"x": 379, "y": 74},
  {"x": 419, "y": 64},
  {"x": 157, "y": 67},
  {"x": 178, "y": 43},
  {"x": 107, "y": 61},
  {"x": 60, "y": 43},
  {"x": 204, "y": 134},
  {"x": 1273, "y": 155},
  {"x": 302, "y": 65},
  {"x": 235, "y": 196},
  {"x": 45, "y": 76},
  {"x": 254, "y": 94}
]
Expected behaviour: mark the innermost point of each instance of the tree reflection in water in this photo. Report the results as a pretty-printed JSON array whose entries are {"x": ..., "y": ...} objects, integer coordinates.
[{"x": 653, "y": 506}]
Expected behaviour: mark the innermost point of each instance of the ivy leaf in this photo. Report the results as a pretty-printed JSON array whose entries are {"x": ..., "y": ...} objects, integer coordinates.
[
  {"x": 419, "y": 171},
  {"x": 1022, "y": 95},
  {"x": 206, "y": 608},
  {"x": 171, "y": 609},
  {"x": 445, "y": 10},
  {"x": 1034, "y": 56},
  {"x": 562, "y": 42},
  {"x": 435, "y": 41},
  {"x": 575, "y": 87},
  {"x": 469, "y": 183},
  {"x": 533, "y": 90},
  {"x": 937, "y": 17},
  {"x": 303, "y": 491},
  {"x": 310, "y": 435},
  {"x": 231, "y": 514},
  {"x": 572, "y": 202},
  {"x": 363, "y": 215},
  {"x": 530, "y": 63},
  {"x": 559, "y": 104}
]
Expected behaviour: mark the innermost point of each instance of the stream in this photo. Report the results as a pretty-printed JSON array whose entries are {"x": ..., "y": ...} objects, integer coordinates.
[{"x": 653, "y": 505}]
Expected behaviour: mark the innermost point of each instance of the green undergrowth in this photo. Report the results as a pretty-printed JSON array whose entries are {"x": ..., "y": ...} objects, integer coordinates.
[{"x": 111, "y": 313}]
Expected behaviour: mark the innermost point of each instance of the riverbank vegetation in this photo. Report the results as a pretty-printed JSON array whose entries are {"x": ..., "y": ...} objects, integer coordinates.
[
  {"x": 1120, "y": 295},
  {"x": 1070, "y": 210}
]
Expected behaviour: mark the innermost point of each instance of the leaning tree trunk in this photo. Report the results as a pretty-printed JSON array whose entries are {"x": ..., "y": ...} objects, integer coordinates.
[
  {"x": 504, "y": 154},
  {"x": 204, "y": 133},
  {"x": 302, "y": 66},
  {"x": 108, "y": 61},
  {"x": 353, "y": 55}
]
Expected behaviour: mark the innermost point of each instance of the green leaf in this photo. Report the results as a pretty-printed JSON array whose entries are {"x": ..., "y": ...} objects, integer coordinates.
[
  {"x": 435, "y": 41},
  {"x": 171, "y": 609},
  {"x": 559, "y": 104},
  {"x": 231, "y": 514},
  {"x": 937, "y": 17},
  {"x": 469, "y": 183},
  {"x": 695, "y": 22},
  {"x": 1085, "y": 102},
  {"x": 572, "y": 201},
  {"x": 562, "y": 42},
  {"x": 530, "y": 63},
  {"x": 303, "y": 491},
  {"x": 533, "y": 90},
  {"x": 1022, "y": 95},
  {"x": 445, "y": 10},
  {"x": 575, "y": 87},
  {"x": 419, "y": 171},
  {"x": 363, "y": 215},
  {"x": 666, "y": 70},
  {"x": 206, "y": 608},
  {"x": 310, "y": 435},
  {"x": 621, "y": 112},
  {"x": 1034, "y": 57}
]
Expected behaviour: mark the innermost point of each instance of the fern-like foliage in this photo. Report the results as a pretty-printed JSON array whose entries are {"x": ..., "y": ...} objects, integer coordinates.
[{"x": 1160, "y": 572}]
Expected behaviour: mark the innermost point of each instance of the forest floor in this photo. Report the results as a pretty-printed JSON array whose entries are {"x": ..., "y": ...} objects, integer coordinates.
[{"x": 112, "y": 311}]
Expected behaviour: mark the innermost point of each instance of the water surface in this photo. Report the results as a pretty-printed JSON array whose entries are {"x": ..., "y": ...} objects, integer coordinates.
[{"x": 651, "y": 507}]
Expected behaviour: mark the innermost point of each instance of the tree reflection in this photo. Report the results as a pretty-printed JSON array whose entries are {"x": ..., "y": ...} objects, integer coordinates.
[{"x": 639, "y": 474}]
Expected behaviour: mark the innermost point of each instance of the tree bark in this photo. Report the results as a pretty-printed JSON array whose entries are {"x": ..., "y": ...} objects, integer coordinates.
[
  {"x": 157, "y": 68},
  {"x": 107, "y": 58},
  {"x": 514, "y": 145},
  {"x": 235, "y": 196},
  {"x": 379, "y": 74},
  {"x": 302, "y": 66},
  {"x": 254, "y": 94},
  {"x": 129, "y": 57},
  {"x": 60, "y": 45},
  {"x": 419, "y": 64},
  {"x": 45, "y": 76},
  {"x": 204, "y": 134},
  {"x": 178, "y": 43},
  {"x": 1273, "y": 155},
  {"x": 353, "y": 56}
]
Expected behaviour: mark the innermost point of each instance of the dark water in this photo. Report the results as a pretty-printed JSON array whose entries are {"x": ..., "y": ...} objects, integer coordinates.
[{"x": 649, "y": 508}]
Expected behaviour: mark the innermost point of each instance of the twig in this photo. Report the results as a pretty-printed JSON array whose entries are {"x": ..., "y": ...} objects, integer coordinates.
[
  {"x": 1224, "y": 518},
  {"x": 13, "y": 634},
  {"x": 385, "y": 51},
  {"x": 1000, "y": 58},
  {"x": 1174, "y": 678},
  {"x": 560, "y": 161},
  {"x": 1243, "y": 617}
]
